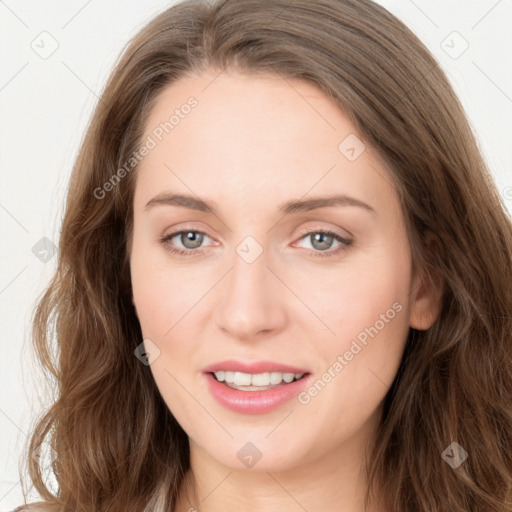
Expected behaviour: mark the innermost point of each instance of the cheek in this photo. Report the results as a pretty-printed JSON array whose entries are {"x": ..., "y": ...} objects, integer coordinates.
[
  {"x": 347, "y": 299},
  {"x": 364, "y": 309},
  {"x": 163, "y": 297},
  {"x": 163, "y": 294},
  {"x": 167, "y": 300},
  {"x": 367, "y": 307}
]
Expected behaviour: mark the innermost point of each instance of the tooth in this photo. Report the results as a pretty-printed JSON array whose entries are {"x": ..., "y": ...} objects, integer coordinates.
[
  {"x": 242, "y": 379},
  {"x": 276, "y": 377},
  {"x": 258, "y": 379},
  {"x": 261, "y": 379}
]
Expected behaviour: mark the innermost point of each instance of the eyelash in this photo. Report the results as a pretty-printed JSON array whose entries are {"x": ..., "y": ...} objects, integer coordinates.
[{"x": 345, "y": 243}]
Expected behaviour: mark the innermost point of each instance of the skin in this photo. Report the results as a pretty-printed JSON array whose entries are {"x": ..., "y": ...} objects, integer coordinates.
[{"x": 252, "y": 143}]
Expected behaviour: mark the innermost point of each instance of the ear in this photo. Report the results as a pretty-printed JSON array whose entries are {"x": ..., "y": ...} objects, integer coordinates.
[{"x": 426, "y": 289}]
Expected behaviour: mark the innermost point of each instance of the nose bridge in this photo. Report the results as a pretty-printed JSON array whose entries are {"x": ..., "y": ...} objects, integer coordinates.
[
  {"x": 249, "y": 303},
  {"x": 249, "y": 265}
]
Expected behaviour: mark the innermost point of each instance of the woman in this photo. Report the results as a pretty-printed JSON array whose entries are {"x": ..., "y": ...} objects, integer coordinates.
[{"x": 207, "y": 358}]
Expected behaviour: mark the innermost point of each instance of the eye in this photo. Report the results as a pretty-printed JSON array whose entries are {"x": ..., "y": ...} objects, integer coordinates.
[
  {"x": 321, "y": 241},
  {"x": 191, "y": 240}
]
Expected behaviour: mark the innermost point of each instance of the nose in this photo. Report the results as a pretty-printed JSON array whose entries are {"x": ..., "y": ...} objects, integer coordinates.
[{"x": 251, "y": 300}]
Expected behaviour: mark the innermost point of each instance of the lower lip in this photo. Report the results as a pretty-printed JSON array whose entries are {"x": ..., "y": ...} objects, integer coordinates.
[{"x": 254, "y": 402}]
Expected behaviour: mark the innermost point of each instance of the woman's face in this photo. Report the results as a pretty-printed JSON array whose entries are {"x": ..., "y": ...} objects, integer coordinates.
[{"x": 259, "y": 289}]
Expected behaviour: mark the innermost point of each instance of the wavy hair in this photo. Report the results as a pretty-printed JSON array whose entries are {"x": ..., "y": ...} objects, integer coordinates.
[{"x": 118, "y": 446}]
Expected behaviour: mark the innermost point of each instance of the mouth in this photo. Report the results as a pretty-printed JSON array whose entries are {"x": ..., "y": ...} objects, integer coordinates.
[
  {"x": 255, "y": 381},
  {"x": 255, "y": 399},
  {"x": 254, "y": 387}
]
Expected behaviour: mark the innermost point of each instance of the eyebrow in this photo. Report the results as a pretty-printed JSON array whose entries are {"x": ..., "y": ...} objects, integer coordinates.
[{"x": 289, "y": 207}]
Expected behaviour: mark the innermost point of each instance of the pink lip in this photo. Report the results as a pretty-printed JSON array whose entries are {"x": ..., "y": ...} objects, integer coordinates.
[
  {"x": 254, "y": 402},
  {"x": 256, "y": 367}
]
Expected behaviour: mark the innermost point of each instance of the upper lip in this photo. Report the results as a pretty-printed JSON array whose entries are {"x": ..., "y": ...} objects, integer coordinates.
[{"x": 253, "y": 367}]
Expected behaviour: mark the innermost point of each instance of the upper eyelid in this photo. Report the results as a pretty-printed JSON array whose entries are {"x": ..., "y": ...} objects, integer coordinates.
[{"x": 304, "y": 233}]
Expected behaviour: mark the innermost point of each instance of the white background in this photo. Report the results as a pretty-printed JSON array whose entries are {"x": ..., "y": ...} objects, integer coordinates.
[{"x": 46, "y": 103}]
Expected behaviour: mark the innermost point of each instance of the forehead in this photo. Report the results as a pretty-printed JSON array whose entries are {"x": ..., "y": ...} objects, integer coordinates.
[
  {"x": 255, "y": 138},
  {"x": 242, "y": 107}
]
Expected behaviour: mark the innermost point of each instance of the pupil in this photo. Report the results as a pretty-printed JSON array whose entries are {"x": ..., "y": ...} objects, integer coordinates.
[
  {"x": 190, "y": 236},
  {"x": 320, "y": 237}
]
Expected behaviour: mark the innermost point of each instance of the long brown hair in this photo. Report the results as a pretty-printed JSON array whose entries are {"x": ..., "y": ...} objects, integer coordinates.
[{"x": 118, "y": 446}]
